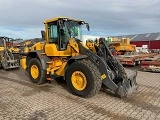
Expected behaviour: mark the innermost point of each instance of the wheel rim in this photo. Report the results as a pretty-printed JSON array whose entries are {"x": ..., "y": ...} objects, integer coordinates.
[
  {"x": 34, "y": 71},
  {"x": 79, "y": 80}
]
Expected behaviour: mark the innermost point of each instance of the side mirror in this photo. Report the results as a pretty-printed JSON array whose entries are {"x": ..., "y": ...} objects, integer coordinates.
[
  {"x": 43, "y": 34},
  {"x": 87, "y": 26}
]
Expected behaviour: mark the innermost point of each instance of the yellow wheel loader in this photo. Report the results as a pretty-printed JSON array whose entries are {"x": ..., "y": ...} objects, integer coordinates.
[
  {"x": 7, "y": 59},
  {"x": 12, "y": 48},
  {"x": 85, "y": 67},
  {"x": 27, "y": 45}
]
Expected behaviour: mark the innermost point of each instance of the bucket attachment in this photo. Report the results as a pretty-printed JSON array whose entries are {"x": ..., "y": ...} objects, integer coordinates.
[
  {"x": 114, "y": 76},
  {"x": 129, "y": 85},
  {"x": 120, "y": 80}
]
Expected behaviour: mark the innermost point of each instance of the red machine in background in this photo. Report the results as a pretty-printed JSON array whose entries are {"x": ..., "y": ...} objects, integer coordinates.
[
  {"x": 133, "y": 58},
  {"x": 151, "y": 64}
]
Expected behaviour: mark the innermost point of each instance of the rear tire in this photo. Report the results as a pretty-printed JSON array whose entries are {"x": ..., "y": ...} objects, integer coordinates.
[
  {"x": 92, "y": 77},
  {"x": 40, "y": 77}
]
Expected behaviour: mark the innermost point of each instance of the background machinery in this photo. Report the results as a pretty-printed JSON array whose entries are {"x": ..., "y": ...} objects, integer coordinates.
[
  {"x": 151, "y": 63},
  {"x": 26, "y": 45},
  {"x": 121, "y": 45},
  {"x": 12, "y": 47},
  {"x": 85, "y": 67},
  {"x": 7, "y": 59}
]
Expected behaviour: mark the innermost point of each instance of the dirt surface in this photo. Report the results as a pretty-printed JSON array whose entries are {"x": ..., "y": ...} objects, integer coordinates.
[{"x": 20, "y": 99}]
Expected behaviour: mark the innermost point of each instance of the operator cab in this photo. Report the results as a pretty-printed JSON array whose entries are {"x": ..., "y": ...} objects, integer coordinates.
[
  {"x": 4, "y": 41},
  {"x": 1, "y": 41},
  {"x": 60, "y": 30}
]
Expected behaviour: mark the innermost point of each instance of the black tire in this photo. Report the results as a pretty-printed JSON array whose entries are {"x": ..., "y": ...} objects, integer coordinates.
[
  {"x": 92, "y": 75},
  {"x": 41, "y": 79}
]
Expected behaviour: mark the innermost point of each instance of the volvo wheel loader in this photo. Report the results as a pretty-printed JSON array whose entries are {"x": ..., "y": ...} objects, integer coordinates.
[
  {"x": 12, "y": 47},
  {"x": 7, "y": 59},
  {"x": 85, "y": 67}
]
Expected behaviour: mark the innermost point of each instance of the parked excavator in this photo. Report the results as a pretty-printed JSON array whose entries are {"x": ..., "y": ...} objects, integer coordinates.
[
  {"x": 7, "y": 59},
  {"x": 85, "y": 67}
]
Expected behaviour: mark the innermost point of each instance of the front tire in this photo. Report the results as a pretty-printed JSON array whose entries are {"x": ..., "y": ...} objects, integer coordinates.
[
  {"x": 83, "y": 78},
  {"x": 36, "y": 73}
]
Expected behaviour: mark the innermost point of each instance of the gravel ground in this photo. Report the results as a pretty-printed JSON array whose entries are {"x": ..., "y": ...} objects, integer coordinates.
[{"x": 20, "y": 99}]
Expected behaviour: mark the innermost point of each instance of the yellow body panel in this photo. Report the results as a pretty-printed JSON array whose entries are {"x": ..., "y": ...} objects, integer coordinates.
[
  {"x": 55, "y": 65},
  {"x": 26, "y": 49},
  {"x": 1, "y": 48},
  {"x": 125, "y": 47},
  {"x": 38, "y": 46},
  {"x": 27, "y": 42},
  {"x": 14, "y": 49},
  {"x": 23, "y": 62},
  {"x": 72, "y": 49},
  {"x": 60, "y": 71},
  {"x": 51, "y": 50}
]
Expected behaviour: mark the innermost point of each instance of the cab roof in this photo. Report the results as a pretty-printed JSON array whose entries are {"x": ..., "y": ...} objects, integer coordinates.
[
  {"x": 57, "y": 18},
  {"x": 2, "y": 37}
]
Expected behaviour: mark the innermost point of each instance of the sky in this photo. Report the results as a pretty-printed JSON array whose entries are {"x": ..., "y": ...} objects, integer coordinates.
[{"x": 24, "y": 18}]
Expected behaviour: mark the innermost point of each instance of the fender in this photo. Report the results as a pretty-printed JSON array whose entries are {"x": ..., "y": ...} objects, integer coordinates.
[
  {"x": 73, "y": 59},
  {"x": 78, "y": 57},
  {"x": 37, "y": 54}
]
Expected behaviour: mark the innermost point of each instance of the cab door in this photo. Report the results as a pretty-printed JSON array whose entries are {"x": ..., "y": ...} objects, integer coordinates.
[{"x": 58, "y": 43}]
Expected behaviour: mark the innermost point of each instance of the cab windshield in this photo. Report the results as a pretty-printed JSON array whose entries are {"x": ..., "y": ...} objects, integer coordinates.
[
  {"x": 74, "y": 29},
  {"x": 61, "y": 31}
]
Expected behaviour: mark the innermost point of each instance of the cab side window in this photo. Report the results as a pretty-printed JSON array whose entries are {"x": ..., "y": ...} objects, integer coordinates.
[
  {"x": 53, "y": 33},
  {"x": 1, "y": 42},
  {"x": 57, "y": 36}
]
